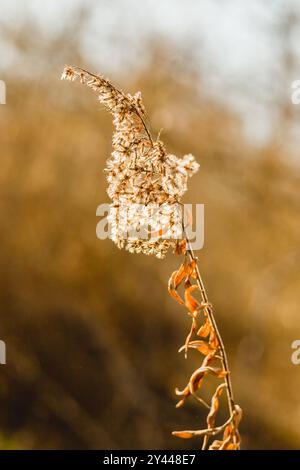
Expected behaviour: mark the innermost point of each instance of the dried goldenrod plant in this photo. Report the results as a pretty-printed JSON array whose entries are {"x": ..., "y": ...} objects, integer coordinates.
[
  {"x": 204, "y": 336},
  {"x": 141, "y": 172}
]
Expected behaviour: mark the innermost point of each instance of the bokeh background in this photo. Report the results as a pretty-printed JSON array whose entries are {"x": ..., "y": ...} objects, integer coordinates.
[{"x": 91, "y": 333}]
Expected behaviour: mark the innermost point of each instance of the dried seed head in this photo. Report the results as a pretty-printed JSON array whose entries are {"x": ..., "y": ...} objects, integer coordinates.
[{"x": 139, "y": 171}]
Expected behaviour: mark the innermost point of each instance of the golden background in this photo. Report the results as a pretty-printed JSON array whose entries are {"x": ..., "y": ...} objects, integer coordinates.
[{"x": 90, "y": 331}]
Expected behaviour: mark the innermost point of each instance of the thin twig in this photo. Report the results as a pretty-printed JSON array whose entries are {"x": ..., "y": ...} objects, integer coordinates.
[{"x": 212, "y": 320}]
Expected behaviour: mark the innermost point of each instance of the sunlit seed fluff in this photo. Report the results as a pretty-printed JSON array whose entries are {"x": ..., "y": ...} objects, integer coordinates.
[{"x": 139, "y": 171}]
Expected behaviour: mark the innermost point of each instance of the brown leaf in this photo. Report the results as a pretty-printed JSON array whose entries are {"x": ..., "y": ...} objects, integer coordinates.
[
  {"x": 233, "y": 446},
  {"x": 191, "y": 303},
  {"x": 215, "y": 445},
  {"x": 179, "y": 275},
  {"x": 191, "y": 271},
  {"x": 172, "y": 290},
  {"x": 211, "y": 417},
  {"x": 185, "y": 392},
  {"x": 183, "y": 434},
  {"x": 191, "y": 332},
  {"x": 201, "y": 346},
  {"x": 238, "y": 415},
  {"x": 213, "y": 340},
  {"x": 183, "y": 273},
  {"x": 227, "y": 431},
  {"x": 231, "y": 436},
  {"x": 220, "y": 373},
  {"x": 205, "y": 329},
  {"x": 225, "y": 443},
  {"x": 196, "y": 379}
]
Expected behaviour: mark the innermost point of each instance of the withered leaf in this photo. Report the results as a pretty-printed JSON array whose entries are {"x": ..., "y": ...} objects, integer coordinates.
[
  {"x": 238, "y": 415},
  {"x": 191, "y": 271},
  {"x": 211, "y": 417},
  {"x": 227, "y": 431},
  {"x": 183, "y": 273},
  {"x": 197, "y": 377},
  {"x": 201, "y": 346},
  {"x": 215, "y": 445},
  {"x": 205, "y": 329},
  {"x": 191, "y": 303},
  {"x": 191, "y": 332},
  {"x": 185, "y": 392},
  {"x": 233, "y": 446},
  {"x": 172, "y": 290},
  {"x": 225, "y": 443},
  {"x": 213, "y": 340},
  {"x": 220, "y": 373},
  {"x": 183, "y": 434}
]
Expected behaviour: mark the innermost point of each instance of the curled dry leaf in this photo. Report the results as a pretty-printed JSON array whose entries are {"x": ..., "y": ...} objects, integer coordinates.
[
  {"x": 213, "y": 340},
  {"x": 184, "y": 273},
  {"x": 187, "y": 434},
  {"x": 183, "y": 434},
  {"x": 201, "y": 346},
  {"x": 211, "y": 417},
  {"x": 191, "y": 303},
  {"x": 173, "y": 290},
  {"x": 238, "y": 415},
  {"x": 231, "y": 436},
  {"x": 205, "y": 329},
  {"x": 192, "y": 330},
  {"x": 197, "y": 377},
  {"x": 233, "y": 446},
  {"x": 225, "y": 443},
  {"x": 196, "y": 381},
  {"x": 198, "y": 433},
  {"x": 215, "y": 445}
]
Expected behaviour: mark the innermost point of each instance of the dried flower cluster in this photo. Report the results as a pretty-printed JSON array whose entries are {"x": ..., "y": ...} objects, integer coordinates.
[
  {"x": 139, "y": 171},
  {"x": 204, "y": 337},
  {"x": 145, "y": 184}
]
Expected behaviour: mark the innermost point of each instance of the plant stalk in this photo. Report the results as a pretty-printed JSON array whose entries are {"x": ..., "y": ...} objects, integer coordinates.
[{"x": 212, "y": 320}]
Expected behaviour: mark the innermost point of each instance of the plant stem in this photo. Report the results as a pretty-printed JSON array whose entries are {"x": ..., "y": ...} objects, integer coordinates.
[{"x": 212, "y": 320}]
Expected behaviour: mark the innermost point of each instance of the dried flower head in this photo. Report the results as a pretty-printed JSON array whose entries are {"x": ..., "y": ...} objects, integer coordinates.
[{"x": 139, "y": 170}]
